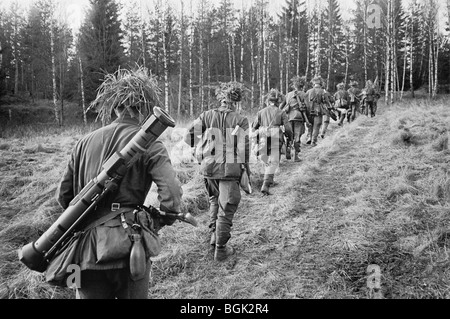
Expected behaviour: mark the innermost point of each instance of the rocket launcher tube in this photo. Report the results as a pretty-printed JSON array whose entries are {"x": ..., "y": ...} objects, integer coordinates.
[{"x": 34, "y": 255}]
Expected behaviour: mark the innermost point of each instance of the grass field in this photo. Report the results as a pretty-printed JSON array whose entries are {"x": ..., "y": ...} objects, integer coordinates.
[{"x": 375, "y": 192}]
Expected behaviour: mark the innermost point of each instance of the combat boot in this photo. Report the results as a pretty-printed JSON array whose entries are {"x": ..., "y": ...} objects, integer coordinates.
[
  {"x": 212, "y": 241},
  {"x": 296, "y": 158},
  {"x": 223, "y": 252},
  {"x": 265, "y": 187},
  {"x": 288, "y": 152}
]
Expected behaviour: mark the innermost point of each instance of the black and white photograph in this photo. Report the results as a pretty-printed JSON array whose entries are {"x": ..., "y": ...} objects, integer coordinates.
[{"x": 225, "y": 157}]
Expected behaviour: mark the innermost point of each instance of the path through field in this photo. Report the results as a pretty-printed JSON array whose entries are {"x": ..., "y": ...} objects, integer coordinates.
[{"x": 356, "y": 201}]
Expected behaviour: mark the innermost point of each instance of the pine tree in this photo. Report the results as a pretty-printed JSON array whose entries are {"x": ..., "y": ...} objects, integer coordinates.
[
  {"x": 333, "y": 38},
  {"x": 100, "y": 44}
]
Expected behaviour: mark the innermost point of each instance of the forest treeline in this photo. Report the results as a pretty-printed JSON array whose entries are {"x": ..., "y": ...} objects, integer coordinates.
[{"x": 192, "y": 50}]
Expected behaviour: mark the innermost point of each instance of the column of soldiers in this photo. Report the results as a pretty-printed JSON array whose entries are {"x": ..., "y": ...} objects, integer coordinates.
[{"x": 281, "y": 122}]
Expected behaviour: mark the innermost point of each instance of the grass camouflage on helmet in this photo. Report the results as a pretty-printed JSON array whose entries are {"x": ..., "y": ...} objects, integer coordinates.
[
  {"x": 340, "y": 86},
  {"x": 317, "y": 80},
  {"x": 135, "y": 90},
  {"x": 230, "y": 92},
  {"x": 298, "y": 81},
  {"x": 274, "y": 95}
]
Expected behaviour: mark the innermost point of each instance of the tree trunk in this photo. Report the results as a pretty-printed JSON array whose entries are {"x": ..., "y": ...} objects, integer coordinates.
[
  {"x": 191, "y": 45},
  {"x": 52, "y": 52},
  {"x": 388, "y": 54},
  {"x": 208, "y": 70},
  {"x": 180, "y": 79},
  {"x": 436, "y": 65},
  {"x": 241, "y": 78},
  {"x": 252, "y": 59},
  {"x": 365, "y": 42},
  {"x": 411, "y": 56},
  {"x": 83, "y": 103},
  {"x": 281, "y": 56},
  {"x": 166, "y": 62},
  {"x": 201, "y": 58}
]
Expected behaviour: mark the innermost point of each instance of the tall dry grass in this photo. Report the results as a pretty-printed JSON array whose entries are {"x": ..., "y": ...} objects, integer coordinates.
[{"x": 376, "y": 191}]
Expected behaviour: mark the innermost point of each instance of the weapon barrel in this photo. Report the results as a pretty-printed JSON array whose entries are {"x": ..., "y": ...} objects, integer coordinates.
[{"x": 33, "y": 254}]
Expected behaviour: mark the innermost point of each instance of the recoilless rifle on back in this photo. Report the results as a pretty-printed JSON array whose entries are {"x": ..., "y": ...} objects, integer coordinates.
[{"x": 36, "y": 255}]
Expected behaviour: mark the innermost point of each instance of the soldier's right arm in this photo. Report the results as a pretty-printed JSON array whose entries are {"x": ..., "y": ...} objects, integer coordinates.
[{"x": 164, "y": 176}]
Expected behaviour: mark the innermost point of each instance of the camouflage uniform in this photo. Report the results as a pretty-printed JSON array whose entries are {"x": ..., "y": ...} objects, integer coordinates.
[
  {"x": 221, "y": 155},
  {"x": 269, "y": 122}
]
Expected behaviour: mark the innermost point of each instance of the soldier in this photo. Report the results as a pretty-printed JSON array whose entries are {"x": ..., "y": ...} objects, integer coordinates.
[
  {"x": 341, "y": 102},
  {"x": 355, "y": 96},
  {"x": 327, "y": 113},
  {"x": 221, "y": 162},
  {"x": 295, "y": 107},
  {"x": 316, "y": 102},
  {"x": 369, "y": 99},
  {"x": 105, "y": 269},
  {"x": 269, "y": 122}
]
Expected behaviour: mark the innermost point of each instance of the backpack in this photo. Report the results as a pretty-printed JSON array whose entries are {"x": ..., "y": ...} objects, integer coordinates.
[{"x": 317, "y": 99}]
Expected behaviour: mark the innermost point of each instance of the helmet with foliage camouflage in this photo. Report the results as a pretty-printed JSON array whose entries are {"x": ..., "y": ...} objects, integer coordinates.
[
  {"x": 298, "y": 82},
  {"x": 274, "y": 95},
  {"x": 340, "y": 86},
  {"x": 230, "y": 92},
  {"x": 354, "y": 83},
  {"x": 317, "y": 80},
  {"x": 134, "y": 91}
]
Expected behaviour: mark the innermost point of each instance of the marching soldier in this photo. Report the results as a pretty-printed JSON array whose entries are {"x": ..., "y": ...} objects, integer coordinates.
[
  {"x": 316, "y": 102},
  {"x": 369, "y": 99},
  {"x": 295, "y": 107},
  {"x": 341, "y": 102},
  {"x": 329, "y": 105},
  {"x": 269, "y": 122},
  {"x": 221, "y": 159},
  {"x": 355, "y": 95}
]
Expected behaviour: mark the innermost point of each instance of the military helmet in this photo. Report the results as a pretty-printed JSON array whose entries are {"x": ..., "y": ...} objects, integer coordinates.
[
  {"x": 229, "y": 92},
  {"x": 298, "y": 81},
  {"x": 274, "y": 95},
  {"x": 354, "y": 83},
  {"x": 340, "y": 86},
  {"x": 317, "y": 80}
]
